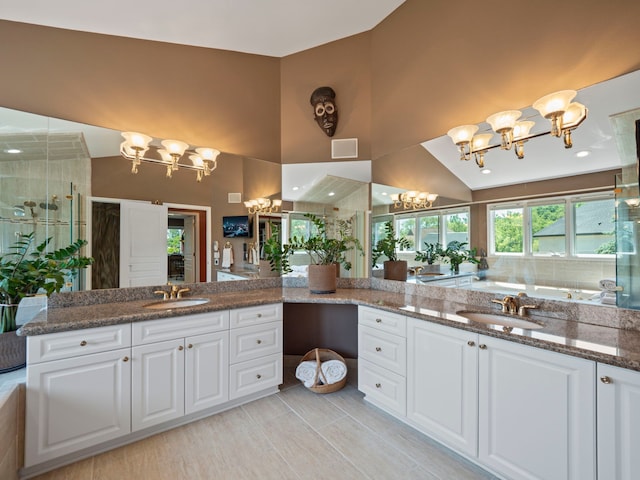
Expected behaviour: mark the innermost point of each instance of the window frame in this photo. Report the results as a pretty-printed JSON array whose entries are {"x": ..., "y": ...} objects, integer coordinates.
[{"x": 441, "y": 213}]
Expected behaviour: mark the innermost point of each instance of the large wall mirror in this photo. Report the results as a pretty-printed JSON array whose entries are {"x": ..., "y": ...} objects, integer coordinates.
[
  {"x": 66, "y": 181},
  {"x": 553, "y": 223}
]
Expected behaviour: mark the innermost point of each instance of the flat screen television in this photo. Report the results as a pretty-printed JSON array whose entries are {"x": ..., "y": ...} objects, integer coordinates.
[{"x": 236, "y": 226}]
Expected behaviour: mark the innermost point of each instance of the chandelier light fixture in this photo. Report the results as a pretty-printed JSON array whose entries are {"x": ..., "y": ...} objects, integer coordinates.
[
  {"x": 414, "y": 200},
  {"x": 564, "y": 115},
  {"x": 136, "y": 147},
  {"x": 262, "y": 205}
]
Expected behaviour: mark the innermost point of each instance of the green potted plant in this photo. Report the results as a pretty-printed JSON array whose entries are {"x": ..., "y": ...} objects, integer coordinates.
[
  {"x": 275, "y": 261},
  {"x": 432, "y": 252},
  {"x": 325, "y": 253},
  {"x": 388, "y": 246},
  {"x": 27, "y": 270},
  {"x": 456, "y": 253}
]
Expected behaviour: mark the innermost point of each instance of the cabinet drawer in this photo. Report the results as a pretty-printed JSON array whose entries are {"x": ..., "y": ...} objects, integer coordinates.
[
  {"x": 257, "y": 341},
  {"x": 382, "y": 387},
  {"x": 385, "y": 321},
  {"x": 383, "y": 349},
  {"x": 55, "y": 346},
  {"x": 244, "y": 317},
  {"x": 255, "y": 375},
  {"x": 152, "y": 331}
]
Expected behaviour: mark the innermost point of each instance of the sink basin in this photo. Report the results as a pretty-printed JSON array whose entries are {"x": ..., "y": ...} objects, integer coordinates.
[
  {"x": 497, "y": 319},
  {"x": 177, "y": 303}
]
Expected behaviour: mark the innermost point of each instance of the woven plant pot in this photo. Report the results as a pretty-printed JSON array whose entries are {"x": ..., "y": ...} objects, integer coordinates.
[
  {"x": 322, "y": 278},
  {"x": 322, "y": 355}
]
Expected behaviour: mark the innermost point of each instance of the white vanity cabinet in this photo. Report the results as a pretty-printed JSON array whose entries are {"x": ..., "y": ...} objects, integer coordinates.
[
  {"x": 536, "y": 412},
  {"x": 255, "y": 349},
  {"x": 382, "y": 358},
  {"x": 618, "y": 423},
  {"x": 78, "y": 391},
  {"x": 174, "y": 374},
  {"x": 442, "y": 383}
]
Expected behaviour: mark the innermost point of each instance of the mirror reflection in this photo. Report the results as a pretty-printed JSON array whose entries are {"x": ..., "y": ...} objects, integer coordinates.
[{"x": 549, "y": 223}]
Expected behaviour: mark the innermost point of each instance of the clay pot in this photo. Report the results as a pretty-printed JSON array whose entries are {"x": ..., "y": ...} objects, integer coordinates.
[
  {"x": 322, "y": 278},
  {"x": 395, "y": 270}
]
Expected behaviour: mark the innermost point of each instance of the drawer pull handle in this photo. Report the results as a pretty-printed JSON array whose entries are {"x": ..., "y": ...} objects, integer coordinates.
[
  {"x": 125, "y": 359},
  {"x": 606, "y": 380},
  {"x": 471, "y": 343},
  {"x": 259, "y": 315},
  {"x": 190, "y": 345},
  {"x": 378, "y": 385},
  {"x": 258, "y": 341},
  {"x": 258, "y": 376},
  {"x": 482, "y": 346},
  {"x": 378, "y": 349},
  {"x": 83, "y": 343},
  {"x": 180, "y": 348},
  {"x": 378, "y": 320}
]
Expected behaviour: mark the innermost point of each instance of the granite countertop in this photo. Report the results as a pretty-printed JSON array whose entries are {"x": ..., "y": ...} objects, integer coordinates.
[{"x": 610, "y": 345}]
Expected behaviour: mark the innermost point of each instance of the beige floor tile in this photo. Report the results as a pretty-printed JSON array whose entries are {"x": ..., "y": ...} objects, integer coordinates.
[
  {"x": 269, "y": 466},
  {"x": 266, "y": 408},
  {"x": 308, "y": 454},
  {"x": 82, "y": 470},
  {"x": 314, "y": 408},
  {"x": 370, "y": 453}
]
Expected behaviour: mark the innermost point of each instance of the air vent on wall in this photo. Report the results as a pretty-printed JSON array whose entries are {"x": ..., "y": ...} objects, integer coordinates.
[
  {"x": 234, "y": 197},
  {"x": 344, "y": 148}
]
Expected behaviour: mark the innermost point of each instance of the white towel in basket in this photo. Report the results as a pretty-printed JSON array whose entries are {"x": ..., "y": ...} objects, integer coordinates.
[
  {"x": 334, "y": 371},
  {"x": 306, "y": 372}
]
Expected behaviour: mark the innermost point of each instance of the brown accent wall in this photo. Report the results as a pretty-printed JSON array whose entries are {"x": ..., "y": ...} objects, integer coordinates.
[
  {"x": 343, "y": 65},
  {"x": 436, "y": 65},
  {"x": 414, "y": 168},
  {"x": 205, "y": 97}
]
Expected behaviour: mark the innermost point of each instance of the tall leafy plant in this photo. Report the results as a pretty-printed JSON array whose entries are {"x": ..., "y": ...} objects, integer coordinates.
[
  {"x": 27, "y": 270},
  {"x": 389, "y": 244}
]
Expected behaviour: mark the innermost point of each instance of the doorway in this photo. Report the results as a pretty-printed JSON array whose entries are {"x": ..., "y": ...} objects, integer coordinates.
[{"x": 186, "y": 246}]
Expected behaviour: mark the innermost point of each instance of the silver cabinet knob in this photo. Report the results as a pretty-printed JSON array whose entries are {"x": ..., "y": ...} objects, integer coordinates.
[
  {"x": 378, "y": 385},
  {"x": 606, "y": 380},
  {"x": 83, "y": 343},
  {"x": 125, "y": 359},
  {"x": 378, "y": 320},
  {"x": 482, "y": 346},
  {"x": 259, "y": 315},
  {"x": 378, "y": 349},
  {"x": 258, "y": 376},
  {"x": 180, "y": 348},
  {"x": 190, "y": 345},
  {"x": 258, "y": 341},
  {"x": 471, "y": 343}
]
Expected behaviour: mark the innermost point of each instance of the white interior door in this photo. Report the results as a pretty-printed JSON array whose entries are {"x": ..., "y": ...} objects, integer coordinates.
[
  {"x": 190, "y": 249},
  {"x": 143, "y": 244}
]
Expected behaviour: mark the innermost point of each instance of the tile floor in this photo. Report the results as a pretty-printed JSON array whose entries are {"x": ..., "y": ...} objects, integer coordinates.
[{"x": 295, "y": 434}]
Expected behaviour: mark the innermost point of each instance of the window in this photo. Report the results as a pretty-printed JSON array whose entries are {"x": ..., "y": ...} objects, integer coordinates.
[
  {"x": 302, "y": 227},
  {"x": 507, "y": 225},
  {"x": 429, "y": 229},
  {"x": 558, "y": 227},
  {"x": 457, "y": 227},
  {"x": 407, "y": 227}
]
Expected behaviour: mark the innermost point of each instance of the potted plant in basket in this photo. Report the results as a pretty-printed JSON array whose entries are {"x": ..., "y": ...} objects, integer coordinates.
[
  {"x": 325, "y": 253},
  {"x": 26, "y": 271},
  {"x": 432, "y": 252},
  {"x": 456, "y": 253},
  {"x": 387, "y": 246}
]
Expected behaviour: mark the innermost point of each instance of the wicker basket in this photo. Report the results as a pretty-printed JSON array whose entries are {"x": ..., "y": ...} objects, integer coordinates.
[{"x": 322, "y": 355}]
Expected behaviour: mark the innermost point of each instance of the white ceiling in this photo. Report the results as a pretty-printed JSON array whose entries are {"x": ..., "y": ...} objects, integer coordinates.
[
  {"x": 546, "y": 157},
  {"x": 265, "y": 27}
]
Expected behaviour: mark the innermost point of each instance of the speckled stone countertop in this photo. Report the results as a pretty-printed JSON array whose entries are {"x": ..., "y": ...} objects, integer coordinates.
[{"x": 561, "y": 333}]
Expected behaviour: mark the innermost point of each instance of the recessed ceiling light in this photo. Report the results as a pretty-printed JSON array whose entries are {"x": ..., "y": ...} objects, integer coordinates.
[
  {"x": 384, "y": 193},
  {"x": 295, "y": 189},
  {"x": 485, "y": 171},
  {"x": 583, "y": 153},
  {"x": 331, "y": 194},
  {"x": 13, "y": 150}
]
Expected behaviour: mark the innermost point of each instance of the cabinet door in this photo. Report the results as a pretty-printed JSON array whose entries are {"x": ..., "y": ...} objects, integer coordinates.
[
  {"x": 618, "y": 423},
  {"x": 157, "y": 383},
  {"x": 76, "y": 403},
  {"x": 442, "y": 383},
  {"x": 537, "y": 412},
  {"x": 206, "y": 371}
]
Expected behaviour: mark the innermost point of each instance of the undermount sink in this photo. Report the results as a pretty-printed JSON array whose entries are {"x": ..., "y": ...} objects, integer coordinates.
[
  {"x": 176, "y": 303},
  {"x": 497, "y": 319}
]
